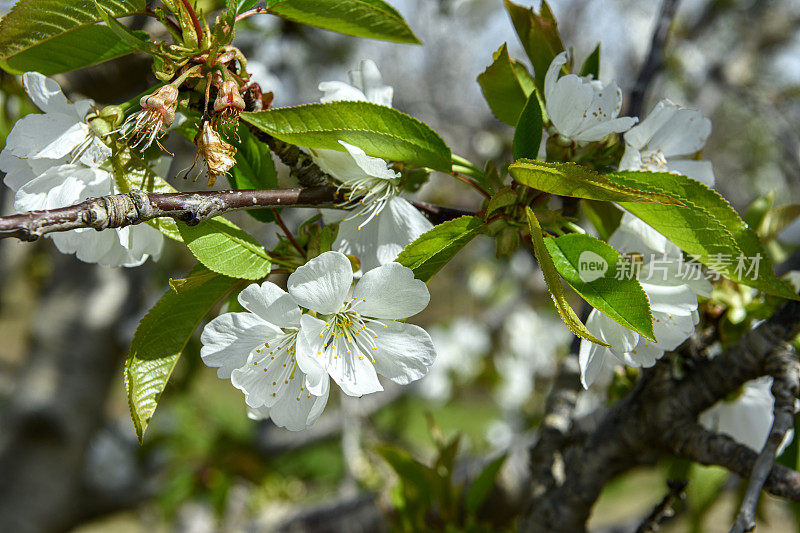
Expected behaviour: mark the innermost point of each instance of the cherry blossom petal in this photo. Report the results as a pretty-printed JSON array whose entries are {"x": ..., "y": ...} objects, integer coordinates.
[
  {"x": 390, "y": 291},
  {"x": 340, "y": 91},
  {"x": 639, "y": 136},
  {"x": 604, "y": 129},
  {"x": 400, "y": 224},
  {"x": 372, "y": 166},
  {"x": 568, "y": 103},
  {"x": 618, "y": 336},
  {"x": 322, "y": 284},
  {"x": 45, "y": 93},
  {"x": 671, "y": 330},
  {"x": 670, "y": 299},
  {"x": 51, "y": 136},
  {"x": 591, "y": 359},
  {"x": 368, "y": 78},
  {"x": 229, "y": 339},
  {"x": 404, "y": 352},
  {"x": 272, "y": 304},
  {"x": 265, "y": 378},
  {"x": 310, "y": 356},
  {"x": 553, "y": 71},
  {"x": 354, "y": 372},
  {"x": 702, "y": 171},
  {"x": 340, "y": 165},
  {"x": 685, "y": 133}
]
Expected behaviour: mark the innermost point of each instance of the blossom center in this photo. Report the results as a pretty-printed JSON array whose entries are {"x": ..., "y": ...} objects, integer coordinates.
[
  {"x": 654, "y": 160},
  {"x": 349, "y": 334},
  {"x": 277, "y": 359},
  {"x": 370, "y": 195}
]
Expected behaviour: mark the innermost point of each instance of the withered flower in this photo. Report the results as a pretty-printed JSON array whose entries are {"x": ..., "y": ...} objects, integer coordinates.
[
  {"x": 216, "y": 153},
  {"x": 150, "y": 123},
  {"x": 229, "y": 103}
]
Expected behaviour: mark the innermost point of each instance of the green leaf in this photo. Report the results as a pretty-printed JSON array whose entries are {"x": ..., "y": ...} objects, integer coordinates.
[
  {"x": 604, "y": 216},
  {"x": 254, "y": 169},
  {"x": 226, "y": 249},
  {"x": 554, "y": 282},
  {"x": 80, "y": 48},
  {"x": 502, "y": 198},
  {"x": 705, "y": 226},
  {"x": 161, "y": 337},
  {"x": 136, "y": 40},
  {"x": 506, "y": 86},
  {"x": 569, "y": 179},
  {"x": 528, "y": 134},
  {"x": 539, "y": 35},
  {"x": 591, "y": 67},
  {"x": 482, "y": 486},
  {"x": 53, "y": 36},
  {"x": 378, "y": 130},
  {"x": 589, "y": 266},
  {"x": 373, "y": 19},
  {"x": 412, "y": 473},
  {"x": 434, "y": 248}
]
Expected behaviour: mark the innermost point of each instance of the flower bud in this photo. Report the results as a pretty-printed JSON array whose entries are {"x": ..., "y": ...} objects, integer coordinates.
[
  {"x": 229, "y": 103},
  {"x": 217, "y": 154}
]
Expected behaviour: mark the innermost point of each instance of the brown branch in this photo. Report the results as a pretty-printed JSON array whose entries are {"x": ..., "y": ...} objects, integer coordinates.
[
  {"x": 696, "y": 443},
  {"x": 785, "y": 387},
  {"x": 654, "y": 61},
  {"x": 136, "y": 207},
  {"x": 665, "y": 509},
  {"x": 660, "y": 415},
  {"x": 301, "y": 164},
  {"x": 438, "y": 214}
]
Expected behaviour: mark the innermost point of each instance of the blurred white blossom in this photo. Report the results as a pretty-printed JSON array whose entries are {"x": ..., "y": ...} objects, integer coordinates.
[{"x": 459, "y": 349}]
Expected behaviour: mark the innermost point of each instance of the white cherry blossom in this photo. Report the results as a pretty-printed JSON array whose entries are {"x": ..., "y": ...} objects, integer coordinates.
[
  {"x": 582, "y": 109},
  {"x": 52, "y": 160},
  {"x": 665, "y": 140},
  {"x": 673, "y": 302},
  {"x": 366, "y": 85},
  {"x": 748, "y": 418},
  {"x": 383, "y": 223},
  {"x": 60, "y": 133},
  {"x": 65, "y": 185},
  {"x": 256, "y": 350},
  {"x": 354, "y": 337}
]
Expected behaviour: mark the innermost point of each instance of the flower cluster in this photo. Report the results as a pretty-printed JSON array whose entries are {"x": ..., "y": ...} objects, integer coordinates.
[
  {"x": 283, "y": 359},
  {"x": 584, "y": 110},
  {"x": 673, "y": 302},
  {"x": 55, "y": 159}
]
